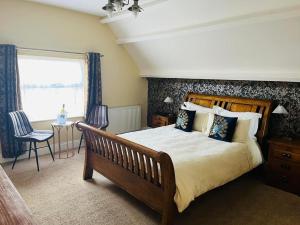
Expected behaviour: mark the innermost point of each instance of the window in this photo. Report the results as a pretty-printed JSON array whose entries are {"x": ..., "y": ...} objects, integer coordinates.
[{"x": 47, "y": 83}]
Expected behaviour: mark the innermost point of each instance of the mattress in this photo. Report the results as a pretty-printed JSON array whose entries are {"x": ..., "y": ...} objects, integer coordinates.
[{"x": 200, "y": 163}]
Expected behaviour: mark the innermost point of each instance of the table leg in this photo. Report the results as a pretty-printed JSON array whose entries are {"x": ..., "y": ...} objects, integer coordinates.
[
  {"x": 67, "y": 133},
  {"x": 59, "y": 145},
  {"x": 53, "y": 129},
  {"x": 72, "y": 126}
]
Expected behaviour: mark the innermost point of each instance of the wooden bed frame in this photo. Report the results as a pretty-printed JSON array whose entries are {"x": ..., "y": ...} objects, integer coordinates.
[{"x": 152, "y": 180}]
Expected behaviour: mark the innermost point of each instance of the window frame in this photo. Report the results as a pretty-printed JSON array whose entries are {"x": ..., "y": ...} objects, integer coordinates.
[{"x": 61, "y": 57}]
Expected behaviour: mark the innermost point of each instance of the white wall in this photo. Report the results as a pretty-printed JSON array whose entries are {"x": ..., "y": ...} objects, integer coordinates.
[
  {"x": 215, "y": 39},
  {"x": 34, "y": 25}
]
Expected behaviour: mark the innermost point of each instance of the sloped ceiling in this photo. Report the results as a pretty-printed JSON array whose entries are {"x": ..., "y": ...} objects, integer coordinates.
[{"x": 213, "y": 39}]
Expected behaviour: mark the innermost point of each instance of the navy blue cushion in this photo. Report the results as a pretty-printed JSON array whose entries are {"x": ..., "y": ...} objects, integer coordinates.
[
  {"x": 223, "y": 128},
  {"x": 185, "y": 120}
]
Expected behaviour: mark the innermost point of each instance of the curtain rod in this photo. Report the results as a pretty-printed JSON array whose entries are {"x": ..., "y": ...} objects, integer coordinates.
[{"x": 48, "y": 50}]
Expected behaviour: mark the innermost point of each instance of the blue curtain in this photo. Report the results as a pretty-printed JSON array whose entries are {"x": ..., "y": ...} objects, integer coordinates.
[
  {"x": 9, "y": 99},
  {"x": 94, "y": 81}
]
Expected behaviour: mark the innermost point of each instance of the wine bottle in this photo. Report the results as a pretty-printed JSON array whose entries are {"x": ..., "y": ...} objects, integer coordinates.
[
  {"x": 62, "y": 116},
  {"x": 63, "y": 111}
]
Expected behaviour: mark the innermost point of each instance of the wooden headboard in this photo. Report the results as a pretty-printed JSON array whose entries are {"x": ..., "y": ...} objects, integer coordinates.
[{"x": 237, "y": 104}]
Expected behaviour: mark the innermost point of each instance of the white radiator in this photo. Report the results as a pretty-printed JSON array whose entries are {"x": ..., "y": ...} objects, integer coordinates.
[{"x": 124, "y": 119}]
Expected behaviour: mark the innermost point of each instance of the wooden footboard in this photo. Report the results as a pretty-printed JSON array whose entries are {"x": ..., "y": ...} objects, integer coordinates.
[
  {"x": 146, "y": 174},
  {"x": 13, "y": 209}
]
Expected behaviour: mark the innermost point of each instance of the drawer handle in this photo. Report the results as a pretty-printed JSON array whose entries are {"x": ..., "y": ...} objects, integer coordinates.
[
  {"x": 285, "y": 166},
  {"x": 284, "y": 179},
  {"x": 286, "y": 155}
]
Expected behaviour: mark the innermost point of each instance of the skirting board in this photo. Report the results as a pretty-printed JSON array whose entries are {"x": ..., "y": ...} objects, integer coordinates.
[{"x": 45, "y": 151}]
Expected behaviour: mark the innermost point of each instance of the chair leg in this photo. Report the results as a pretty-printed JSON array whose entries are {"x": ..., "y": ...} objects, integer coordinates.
[
  {"x": 36, "y": 156},
  {"x": 16, "y": 155},
  {"x": 30, "y": 145},
  {"x": 80, "y": 143},
  {"x": 50, "y": 150},
  {"x": 14, "y": 162}
]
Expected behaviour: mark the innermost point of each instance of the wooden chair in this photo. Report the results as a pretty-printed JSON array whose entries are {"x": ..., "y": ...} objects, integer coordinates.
[
  {"x": 97, "y": 118},
  {"x": 23, "y": 132}
]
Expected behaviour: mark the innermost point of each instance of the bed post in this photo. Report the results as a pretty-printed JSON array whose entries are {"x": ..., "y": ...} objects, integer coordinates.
[
  {"x": 88, "y": 169},
  {"x": 168, "y": 214},
  {"x": 169, "y": 188}
]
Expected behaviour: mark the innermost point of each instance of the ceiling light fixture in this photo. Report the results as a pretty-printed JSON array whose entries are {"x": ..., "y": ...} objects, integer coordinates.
[
  {"x": 118, "y": 5},
  {"x": 135, "y": 8},
  {"x": 109, "y": 8}
]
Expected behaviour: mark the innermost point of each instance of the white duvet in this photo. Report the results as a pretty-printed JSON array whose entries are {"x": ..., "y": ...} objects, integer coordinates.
[{"x": 200, "y": 163}]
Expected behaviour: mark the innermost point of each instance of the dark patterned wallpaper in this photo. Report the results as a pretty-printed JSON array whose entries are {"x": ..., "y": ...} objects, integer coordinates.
[{"x": 285, "y": 93}]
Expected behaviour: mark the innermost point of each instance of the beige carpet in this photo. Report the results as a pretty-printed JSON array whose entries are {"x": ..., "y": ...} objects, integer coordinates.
[{"x": 58, "y": 195}]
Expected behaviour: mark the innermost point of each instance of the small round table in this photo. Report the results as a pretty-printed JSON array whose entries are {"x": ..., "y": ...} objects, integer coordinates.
[{"x": 58, "y": 127}]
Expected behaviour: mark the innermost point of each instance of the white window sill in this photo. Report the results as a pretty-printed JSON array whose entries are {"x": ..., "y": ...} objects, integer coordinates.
[{"x": 75, "y": 118}]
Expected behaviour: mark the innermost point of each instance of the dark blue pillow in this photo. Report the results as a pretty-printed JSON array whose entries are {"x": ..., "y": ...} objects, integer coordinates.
[
  {"x": 223, "y": 128},
  {"x": 185, "y": 120}
]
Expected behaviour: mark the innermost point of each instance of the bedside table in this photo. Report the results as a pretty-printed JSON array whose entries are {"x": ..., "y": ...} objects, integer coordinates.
[
  {"x": 283, "y": 166},
  {"x": 159, "y": 120}
]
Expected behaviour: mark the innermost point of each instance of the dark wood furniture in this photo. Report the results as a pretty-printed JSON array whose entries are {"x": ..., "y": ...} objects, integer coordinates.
[
  {"x": 23, "y": 132},
  {"x": 98, "y": 118},
  {"x": 283, "y": 167},
  {"x": 159, "y": 120},
  {"x": 13, "y": 210},
  {"x": 146, "y": 174}
]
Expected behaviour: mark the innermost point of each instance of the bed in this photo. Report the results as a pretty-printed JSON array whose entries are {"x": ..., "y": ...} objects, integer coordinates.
[
  {"x": 155, "y": 165},
  {"x": 13, "y": 209}
]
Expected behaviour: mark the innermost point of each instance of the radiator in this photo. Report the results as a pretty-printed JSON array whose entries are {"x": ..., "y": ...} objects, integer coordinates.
[{"x": 124, "y": 119}]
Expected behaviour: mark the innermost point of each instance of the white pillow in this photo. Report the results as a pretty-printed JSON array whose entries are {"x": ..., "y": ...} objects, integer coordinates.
[
  {"x": 241, "y": 133},
  {"x": 201, "y": 117},
  {"x": 200, "y": 122},
  {"x": 210, "y": 121},
  {"x": 253, "y": 117},
  {"x": 198, "y": 108}
]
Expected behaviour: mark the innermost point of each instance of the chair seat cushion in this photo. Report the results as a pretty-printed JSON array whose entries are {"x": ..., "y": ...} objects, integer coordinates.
[{"x": 38, "y": 135}]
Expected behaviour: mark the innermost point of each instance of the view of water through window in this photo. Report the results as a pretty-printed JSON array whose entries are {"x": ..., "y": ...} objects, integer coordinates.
[{"x": 48, "y": 83}]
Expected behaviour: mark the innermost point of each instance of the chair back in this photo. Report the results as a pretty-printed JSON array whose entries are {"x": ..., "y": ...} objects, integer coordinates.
[
  {"x": 20, "y": 123},
  {"x": 98, "y": 116}
]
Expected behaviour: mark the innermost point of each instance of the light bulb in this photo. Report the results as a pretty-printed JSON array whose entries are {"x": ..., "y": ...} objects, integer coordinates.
[
  {"x": 109, "y": 13},
  {"x": 119, "y": 5},
  {"x": 135, "y": 13}
]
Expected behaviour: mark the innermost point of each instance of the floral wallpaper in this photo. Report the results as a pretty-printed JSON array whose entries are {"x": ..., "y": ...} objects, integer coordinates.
[{"x": 285, "y": 93}]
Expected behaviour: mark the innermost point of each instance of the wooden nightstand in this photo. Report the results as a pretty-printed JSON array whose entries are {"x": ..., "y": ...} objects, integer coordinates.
[
  {"x": 159, "y": 120},
  {"x": 283, "y": 166}
]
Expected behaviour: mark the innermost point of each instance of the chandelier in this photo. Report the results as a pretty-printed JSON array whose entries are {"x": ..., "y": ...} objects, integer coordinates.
[{"x": 118, "y": 5}]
